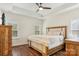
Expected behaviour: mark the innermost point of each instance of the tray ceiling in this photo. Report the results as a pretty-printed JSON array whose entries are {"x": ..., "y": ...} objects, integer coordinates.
[{"x": 30, "y": 8}]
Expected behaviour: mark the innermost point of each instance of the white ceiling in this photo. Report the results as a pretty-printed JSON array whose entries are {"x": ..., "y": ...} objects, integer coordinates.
[
  {"x": 30, "y": 8},
  {"x": 33, "y": 7}
]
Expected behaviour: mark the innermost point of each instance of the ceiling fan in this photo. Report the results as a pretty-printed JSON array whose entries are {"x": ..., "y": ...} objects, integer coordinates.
[{"x": 40, "y": 7}]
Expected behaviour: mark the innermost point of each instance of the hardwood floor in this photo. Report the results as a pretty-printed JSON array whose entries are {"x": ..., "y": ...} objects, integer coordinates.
[{"x": 24, "y": 50}]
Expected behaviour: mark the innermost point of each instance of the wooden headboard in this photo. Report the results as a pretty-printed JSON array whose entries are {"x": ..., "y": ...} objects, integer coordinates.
[{"x": 61, "y": 29}]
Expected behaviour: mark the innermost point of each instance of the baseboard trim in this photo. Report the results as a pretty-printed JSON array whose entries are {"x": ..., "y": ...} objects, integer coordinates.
[{"x": 19, "y": 45}]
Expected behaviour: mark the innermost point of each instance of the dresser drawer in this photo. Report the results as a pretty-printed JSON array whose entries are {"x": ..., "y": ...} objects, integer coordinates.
[{"x": 72, "y": 48}]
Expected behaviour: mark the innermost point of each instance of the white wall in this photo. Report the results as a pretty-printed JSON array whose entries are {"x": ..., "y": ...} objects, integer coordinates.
[
  {"x": 61, "y": 19},
  {"x": 25, "y": 26}
]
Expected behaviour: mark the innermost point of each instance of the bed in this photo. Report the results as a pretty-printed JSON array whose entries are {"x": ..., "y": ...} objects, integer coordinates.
[{"x": 50, "y": 43}]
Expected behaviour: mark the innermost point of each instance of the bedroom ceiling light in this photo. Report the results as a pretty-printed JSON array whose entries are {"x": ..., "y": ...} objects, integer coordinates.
[{"x": 40, "y": 8}]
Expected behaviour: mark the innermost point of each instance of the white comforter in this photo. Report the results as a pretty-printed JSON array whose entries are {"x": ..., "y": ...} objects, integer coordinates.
[{"x": 50, "y": 41}]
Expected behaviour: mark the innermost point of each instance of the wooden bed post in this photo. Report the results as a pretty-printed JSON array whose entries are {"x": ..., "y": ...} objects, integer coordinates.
[
  {"x": 46, "y": 50},
  {"x": 65, "y": 32}
]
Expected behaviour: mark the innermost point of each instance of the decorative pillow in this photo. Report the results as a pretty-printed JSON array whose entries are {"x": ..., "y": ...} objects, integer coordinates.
[{"x": 54, "y": 32}]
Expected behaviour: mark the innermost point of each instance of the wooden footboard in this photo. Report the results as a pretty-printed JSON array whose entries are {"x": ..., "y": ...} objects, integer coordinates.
[
  {"x": 39, "y": 47},
  {"x": 44, "y": 49}
]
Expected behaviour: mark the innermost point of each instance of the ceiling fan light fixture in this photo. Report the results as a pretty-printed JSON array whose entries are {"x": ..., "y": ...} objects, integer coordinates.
[{"x": 40, "y": 8}]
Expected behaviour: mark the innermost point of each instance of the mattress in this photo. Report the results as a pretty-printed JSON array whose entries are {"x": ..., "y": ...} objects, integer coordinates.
[{"x": 48, "y": 40}]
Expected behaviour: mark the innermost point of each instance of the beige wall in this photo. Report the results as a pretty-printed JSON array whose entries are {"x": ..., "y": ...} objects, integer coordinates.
[
  {"x": 25, "y": 26},
  {"x": 61, "y": 19}
]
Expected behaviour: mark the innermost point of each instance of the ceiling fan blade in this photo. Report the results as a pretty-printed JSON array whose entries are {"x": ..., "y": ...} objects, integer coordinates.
[
  {"x": 46, "y": 7},
  {"x": 40, "y": 4},
  {"x": 37, "y": 4},
  {"x": 37, "y": 10}
]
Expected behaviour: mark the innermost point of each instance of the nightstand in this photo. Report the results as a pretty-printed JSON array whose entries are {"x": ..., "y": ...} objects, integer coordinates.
[{"x": 72, "y": 47}]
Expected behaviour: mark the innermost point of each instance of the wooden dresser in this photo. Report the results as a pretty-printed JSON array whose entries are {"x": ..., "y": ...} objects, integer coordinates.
[
  {"x": 5, "y": 40},
  {"x": 72, "y": 47}
]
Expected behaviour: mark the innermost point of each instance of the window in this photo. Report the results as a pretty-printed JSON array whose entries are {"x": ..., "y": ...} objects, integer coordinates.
[
  {"x": 14, "y": 30},
  {"x": 75, "y": 28},
  {"x": 75, "y": 25},
  {"x": 38, "y": 29}
]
